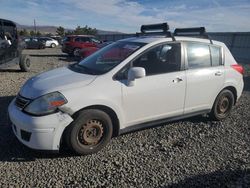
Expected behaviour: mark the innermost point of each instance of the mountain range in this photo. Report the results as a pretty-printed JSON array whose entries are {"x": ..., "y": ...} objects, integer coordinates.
[{"x": 52, "y": 29}]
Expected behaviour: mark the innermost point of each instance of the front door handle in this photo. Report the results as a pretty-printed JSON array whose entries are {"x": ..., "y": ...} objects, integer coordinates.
[
  {"x": 219, "y": 73},
  {"x": 177, "y": 80}
]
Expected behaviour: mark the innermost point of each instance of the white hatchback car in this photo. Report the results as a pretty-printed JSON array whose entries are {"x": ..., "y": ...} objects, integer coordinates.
[
  {"x": 49, "y": 42},
  {"x": 127, "y": 85}
]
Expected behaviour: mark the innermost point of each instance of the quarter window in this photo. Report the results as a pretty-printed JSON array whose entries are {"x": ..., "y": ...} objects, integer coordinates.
[
  {"x": 216, "y": 55},
  {"x": 198, "y": 55}
]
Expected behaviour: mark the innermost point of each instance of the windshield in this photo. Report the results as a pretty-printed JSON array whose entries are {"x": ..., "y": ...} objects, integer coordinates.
[{"x": 108, "y": 57}]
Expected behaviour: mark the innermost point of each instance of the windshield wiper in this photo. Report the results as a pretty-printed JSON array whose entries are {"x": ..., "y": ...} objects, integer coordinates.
[{"x": 89, "y": 70}]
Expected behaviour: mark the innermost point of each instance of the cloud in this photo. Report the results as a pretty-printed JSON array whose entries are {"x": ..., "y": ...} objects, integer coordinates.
[
  {"x": 219, "y": 18},
  {"x": 128, "y": 15}
]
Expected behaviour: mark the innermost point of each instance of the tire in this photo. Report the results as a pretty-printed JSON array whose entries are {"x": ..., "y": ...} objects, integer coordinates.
[
  {"x": 76, "y": 52},
  {"x": 24, "y": 63},
  {"x": 89, "y": 132},
  {"x": 53, "y": 45},
  {"x": 223, "y": 105}
]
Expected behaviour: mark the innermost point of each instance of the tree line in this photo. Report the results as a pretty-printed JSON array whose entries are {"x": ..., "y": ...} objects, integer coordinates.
[{"x": 61, "y": 31}]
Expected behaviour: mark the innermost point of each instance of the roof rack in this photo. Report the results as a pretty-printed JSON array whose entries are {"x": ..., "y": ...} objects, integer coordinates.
[
  {"x": 156, "y": 29},
  {"x": 193, "y": 31}
]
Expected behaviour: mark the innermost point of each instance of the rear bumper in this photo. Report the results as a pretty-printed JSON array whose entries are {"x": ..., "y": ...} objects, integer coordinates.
[{"x": 40, "y": 133}]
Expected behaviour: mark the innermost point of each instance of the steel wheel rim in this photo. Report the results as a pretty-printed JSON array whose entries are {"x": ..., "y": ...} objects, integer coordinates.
[
  {"x": 91, "y": 133},
  {"x": 223, "y": 105}
]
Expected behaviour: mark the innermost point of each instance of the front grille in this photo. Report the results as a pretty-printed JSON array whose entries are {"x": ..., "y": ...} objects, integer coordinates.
[{"x": 21, "y": 102}]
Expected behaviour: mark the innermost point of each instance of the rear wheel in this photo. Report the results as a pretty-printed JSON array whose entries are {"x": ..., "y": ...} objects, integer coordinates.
[
  {"x": 89, "y": 132},
  {"x": 222, "y": 105},
  {"x": 24, "y": 63},
  {"x": 53, "y": 45}
]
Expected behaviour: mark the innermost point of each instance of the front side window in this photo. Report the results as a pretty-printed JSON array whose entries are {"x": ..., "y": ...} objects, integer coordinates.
[
  {"x": 198, "y": 55},
  {"x": 77, "y": 39},
  {"x": 160, "y": 59},
  {"x": 107, "y": 58}
]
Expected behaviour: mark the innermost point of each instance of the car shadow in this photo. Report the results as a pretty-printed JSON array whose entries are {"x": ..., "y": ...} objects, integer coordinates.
[
  {"x": 69, "y": 59},
  {"x": 10, "y": 70},
  {"x": 4, "y": 102},
  {"x": 48, "y": 55},
  {"x": 219, "y": 178}
]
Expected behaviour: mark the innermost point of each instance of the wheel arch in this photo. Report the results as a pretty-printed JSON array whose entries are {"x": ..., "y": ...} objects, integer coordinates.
[{"x": 233, "y": 90}]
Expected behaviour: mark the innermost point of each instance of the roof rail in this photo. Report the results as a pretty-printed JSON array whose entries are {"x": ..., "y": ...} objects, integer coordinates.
[
  {"x": 156, "y": 29},
  {"x": 193, "y": 31}
]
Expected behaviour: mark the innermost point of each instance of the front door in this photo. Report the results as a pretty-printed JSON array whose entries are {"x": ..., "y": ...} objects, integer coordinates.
[{"x": 161, "y": 93}]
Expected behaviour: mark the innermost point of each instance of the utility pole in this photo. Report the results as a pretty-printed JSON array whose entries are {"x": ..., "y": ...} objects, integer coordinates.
[{"x": 35, "y": 25}]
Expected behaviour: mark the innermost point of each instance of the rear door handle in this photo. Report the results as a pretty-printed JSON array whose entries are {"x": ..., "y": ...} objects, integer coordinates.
[
  {"x": 177, "y": 80},
  {"x": 219, "y": 73}
]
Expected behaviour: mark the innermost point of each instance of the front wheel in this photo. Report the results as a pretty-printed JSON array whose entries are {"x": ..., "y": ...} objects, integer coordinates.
[
  {"x": 76, "y": 52},
  {"x": 89, "y": 132},
  {"x": 24, "y": 63},
  {"x": 222, "y": 105}
]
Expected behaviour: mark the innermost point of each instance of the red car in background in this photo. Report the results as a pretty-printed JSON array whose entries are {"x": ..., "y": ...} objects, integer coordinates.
[
  {"x": 71, "y": 44},
  {"x": 85, "y": 52}
]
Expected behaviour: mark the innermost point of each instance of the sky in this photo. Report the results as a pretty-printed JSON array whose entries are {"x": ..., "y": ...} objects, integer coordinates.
[{"x": 127, "y": 15}]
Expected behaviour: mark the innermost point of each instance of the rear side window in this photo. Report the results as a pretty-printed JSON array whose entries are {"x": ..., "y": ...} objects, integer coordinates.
[
  {"x": 216, "y": 55},
  {"x": 198, "y": 55}
]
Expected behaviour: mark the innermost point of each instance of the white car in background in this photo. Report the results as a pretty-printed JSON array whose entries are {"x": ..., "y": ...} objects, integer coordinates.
[
  {"x": 127, "y": 85},
  {"x": 49, "y": 42}
]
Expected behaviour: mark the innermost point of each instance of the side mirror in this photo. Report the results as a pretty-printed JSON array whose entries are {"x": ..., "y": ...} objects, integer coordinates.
[{"x": 135, "y": 73}]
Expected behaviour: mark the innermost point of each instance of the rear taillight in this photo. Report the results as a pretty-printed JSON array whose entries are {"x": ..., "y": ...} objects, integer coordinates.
[{"x": 238, "y": 68}]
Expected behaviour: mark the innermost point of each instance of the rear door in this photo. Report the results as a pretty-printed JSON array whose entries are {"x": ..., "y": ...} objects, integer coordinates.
[{"x": 205, "y": 75}]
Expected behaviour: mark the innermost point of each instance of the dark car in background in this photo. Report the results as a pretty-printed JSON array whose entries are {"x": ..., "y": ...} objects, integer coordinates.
[
  {"x": 11, "y": 47},
  {"x": 71, "y": 44},
  {"x": 34, "y": 43}
]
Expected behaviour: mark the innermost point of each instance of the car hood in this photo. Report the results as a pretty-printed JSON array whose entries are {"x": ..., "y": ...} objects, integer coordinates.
[{"x": 55, "y": 80}]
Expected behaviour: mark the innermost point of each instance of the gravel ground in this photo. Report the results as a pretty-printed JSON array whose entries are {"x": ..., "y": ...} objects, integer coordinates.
[{"x": 194, "y": 152}]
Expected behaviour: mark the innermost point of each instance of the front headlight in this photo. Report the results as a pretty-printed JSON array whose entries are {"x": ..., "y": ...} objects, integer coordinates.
[{"x": 46, "y": 104}]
